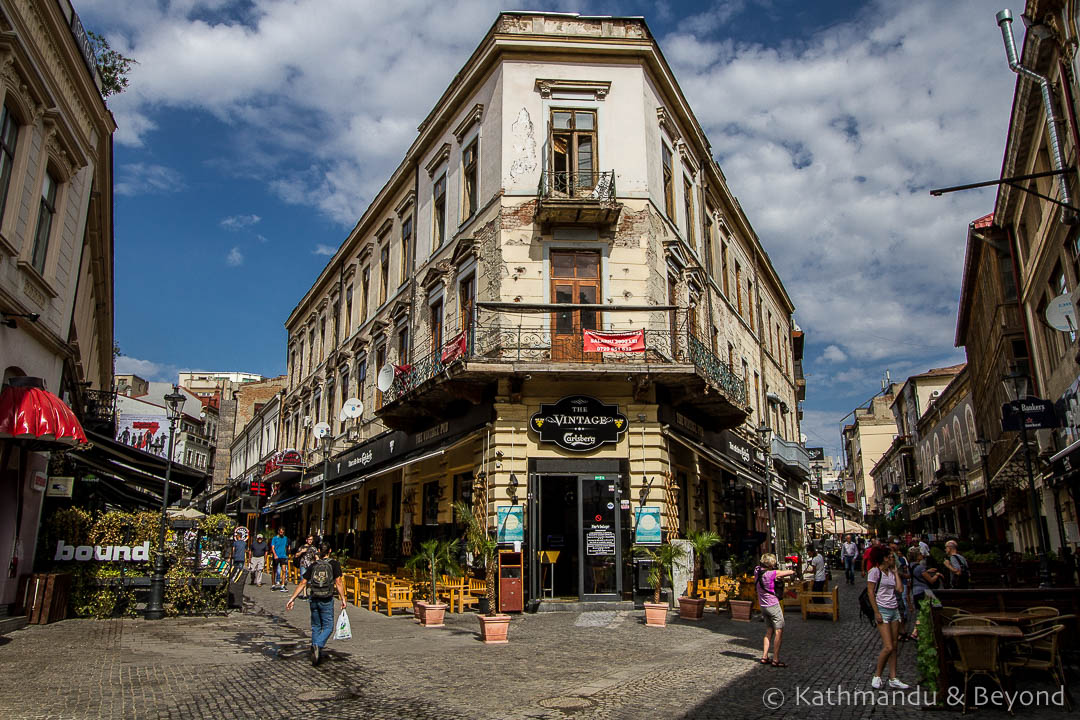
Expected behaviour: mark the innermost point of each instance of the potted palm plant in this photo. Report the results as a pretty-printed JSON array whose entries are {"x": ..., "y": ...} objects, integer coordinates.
[
  {"x": 693, "y": 607},
  {"x": 493, "y": 625},
  {"x": 663, "y": 557},
  {"x": 435, "y": 557}
]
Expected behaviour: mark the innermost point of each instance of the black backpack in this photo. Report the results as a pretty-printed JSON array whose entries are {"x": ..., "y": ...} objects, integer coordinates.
[
  {"x": 963, "y": 580},
  {"x": 320, "y": 580},
  {"x": 866, "y": 609}
]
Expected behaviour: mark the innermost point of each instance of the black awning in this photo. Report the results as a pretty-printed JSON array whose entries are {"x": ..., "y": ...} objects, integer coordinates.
[{"x": 124, "y": 456}]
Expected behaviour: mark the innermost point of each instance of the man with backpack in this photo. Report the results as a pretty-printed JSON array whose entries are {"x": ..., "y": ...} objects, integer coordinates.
[
  {"x": 957, "y": 567},
  {"x": 322, "y": 580}
]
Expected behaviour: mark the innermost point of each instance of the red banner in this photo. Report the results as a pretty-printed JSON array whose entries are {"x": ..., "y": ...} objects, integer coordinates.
[
  {"x": 455, "y": 348},
  {"x": 599, "y": 341}
]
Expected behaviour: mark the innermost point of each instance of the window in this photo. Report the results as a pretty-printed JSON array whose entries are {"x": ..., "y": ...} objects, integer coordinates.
[
  {"x": 317, "y": 404},
  {"x": 688, "y": 210},
  {"x": 345, "y": 389},
  {"x": 466, "y": 299},
  {"x": 311, "y": 349},
  {"x": 46, "y": 211},
  {"x": 436, "y": 326},
  {"x": 380, "y": 360},
  {"x": 738, "y": 286},
  {"x": 292, "y": 365},
  {"x": 731, "y": 357},
  {"x": 757, "y": 387},
  {"x": 669, "y": 189},
  {"x": 361, "y": 374},
  {"x": 403, "y": 345},
  {"x": 348, "y": 309},
  {"x": 439, "y": 199},
  {"x": 469, "y": 175},
  {"x": 384, "y": 272},
  {"x": 706, "y": 239},
  {"x": 336, "y": 314},
  {"x": 406, "y": 248},
  {"x": 365, "y": 293},
  {"x": 573, "y": 151},
  {"x": 9, "y": 134},
  {"x": 724, "y": 267},
  {"x": 430, "y": 509},
  {"x": 322, "y": 338},
  {"x": 750, "y": 303}
]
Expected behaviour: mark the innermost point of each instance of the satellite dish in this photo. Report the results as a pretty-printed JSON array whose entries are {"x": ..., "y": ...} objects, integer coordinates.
[
  {"x": 352, "y": 408},
  {"x": 1061, "y": 314},
  {"x": 341, "y": 415},
  {"x": 322, "y": 430},
  {"x": 385, "y": 378}
]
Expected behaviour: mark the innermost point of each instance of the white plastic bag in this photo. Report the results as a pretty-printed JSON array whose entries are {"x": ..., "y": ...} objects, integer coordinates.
[{"x": 344, "y": 629}]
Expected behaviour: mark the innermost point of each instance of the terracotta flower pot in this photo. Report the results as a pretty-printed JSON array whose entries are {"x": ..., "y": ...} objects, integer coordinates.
[
  {"x": 741, "y": 609},
  {"x": 656, "y": 614},
  {"x": 431, "y": 614},
  {"x": 691, "y": 608},
  {"x": 493, "y": 628},
  {"x": 416, "y": 610}
]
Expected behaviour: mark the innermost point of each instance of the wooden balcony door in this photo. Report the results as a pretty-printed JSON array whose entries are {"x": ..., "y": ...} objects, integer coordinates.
[{"x": 575, "y": 280}]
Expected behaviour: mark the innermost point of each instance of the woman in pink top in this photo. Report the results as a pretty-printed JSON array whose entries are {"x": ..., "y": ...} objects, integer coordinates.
[
  {"x": 765, "y": 577},
  {"x": 884, "y": 585}
]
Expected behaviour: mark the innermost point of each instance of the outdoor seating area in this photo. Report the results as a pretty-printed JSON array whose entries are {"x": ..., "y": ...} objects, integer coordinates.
[{"x": 1008, "y": 636}]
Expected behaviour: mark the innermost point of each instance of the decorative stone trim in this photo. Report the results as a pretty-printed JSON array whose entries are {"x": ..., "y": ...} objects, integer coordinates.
[
  {"x": 466, "y": 249},
  {"x": 438, "y": 159},
  {"x": 366, "y": 252},
  {"x": 597, "y": 88},
  {"x": 471, "y": 118},
  {"x": 384, "y": 230},
  {"x": 405, "y": 204},
  {"x": 666, "y": 123},
  {"x": 687, "y": 157}
]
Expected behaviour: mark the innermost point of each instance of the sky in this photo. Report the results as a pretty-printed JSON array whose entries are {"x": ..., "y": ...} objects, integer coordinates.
[{"x": 255, "y": 132}]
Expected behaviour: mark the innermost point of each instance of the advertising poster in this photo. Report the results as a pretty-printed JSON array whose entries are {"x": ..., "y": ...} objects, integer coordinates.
[
  {"x": 647, "y": 530},
  {"x": 149, "y": 433},
  {"x": 511, "y": 523}
]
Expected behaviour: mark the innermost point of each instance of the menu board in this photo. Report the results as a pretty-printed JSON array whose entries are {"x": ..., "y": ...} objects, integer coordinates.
[{"x": 600, "y": 541}]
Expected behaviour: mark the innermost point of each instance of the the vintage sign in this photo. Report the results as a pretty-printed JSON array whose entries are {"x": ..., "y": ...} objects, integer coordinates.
[
  {"x": 1031, "y": 412},
  {"x": 614, "y": 342},
  {"x": 104, "y": 553},
  {"x": 579, "y": 423},
  {"x": 647, "y": 529},
  {"x": 511, "y": 526}
]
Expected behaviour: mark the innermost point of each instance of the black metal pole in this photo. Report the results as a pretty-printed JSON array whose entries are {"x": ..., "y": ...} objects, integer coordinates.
[
  {"x": 322, "y": 501},
  {"x": 1033, "y": 499},
  {"x": 155, "y": 606}
]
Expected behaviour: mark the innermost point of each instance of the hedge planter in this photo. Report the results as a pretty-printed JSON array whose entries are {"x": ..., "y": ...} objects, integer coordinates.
[
  {"x": 691, "y": 608},
  {"x": 656, "y": 614},
  {"x": 493, "y": 629},
  {"x": 431, "y": 614},
  {"x": 741, "y": 609}
]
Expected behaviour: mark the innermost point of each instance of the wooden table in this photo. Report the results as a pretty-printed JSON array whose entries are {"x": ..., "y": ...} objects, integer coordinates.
[
  {"x": 999, "y": 631},
  {"x": 1011, "y": 616}
]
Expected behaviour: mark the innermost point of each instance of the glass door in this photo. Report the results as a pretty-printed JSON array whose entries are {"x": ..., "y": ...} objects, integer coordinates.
[{"x": 599, "y": 546}]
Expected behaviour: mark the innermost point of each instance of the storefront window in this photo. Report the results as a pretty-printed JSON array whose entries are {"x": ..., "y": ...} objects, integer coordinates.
[{"x": 431, "y": 503}]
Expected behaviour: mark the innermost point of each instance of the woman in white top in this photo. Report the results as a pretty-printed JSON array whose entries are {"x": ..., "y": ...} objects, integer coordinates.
[{"x": 883, "y": 586}]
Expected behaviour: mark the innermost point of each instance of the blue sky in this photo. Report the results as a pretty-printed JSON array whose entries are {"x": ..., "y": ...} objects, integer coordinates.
[{"x": 254, "y": 133}]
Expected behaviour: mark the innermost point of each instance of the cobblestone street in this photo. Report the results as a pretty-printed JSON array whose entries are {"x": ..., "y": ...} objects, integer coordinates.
[{"x": 558, "y": 665}]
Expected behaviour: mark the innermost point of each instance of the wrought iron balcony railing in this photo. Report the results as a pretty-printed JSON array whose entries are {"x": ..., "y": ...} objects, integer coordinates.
[
  {"x": 586, "y": 185},
  {"x": 555, "y": 336}
]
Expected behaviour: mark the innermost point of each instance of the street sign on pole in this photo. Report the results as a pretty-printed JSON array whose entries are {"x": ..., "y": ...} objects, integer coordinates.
[{"x": 1031, "y": 413}]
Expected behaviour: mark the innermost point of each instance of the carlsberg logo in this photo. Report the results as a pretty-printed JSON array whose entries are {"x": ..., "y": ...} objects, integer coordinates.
[{"x": 84, "y": 553}]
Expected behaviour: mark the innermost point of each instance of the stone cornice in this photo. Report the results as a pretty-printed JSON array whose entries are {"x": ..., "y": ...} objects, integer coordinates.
[
  {"x": 597, "y": 88},
  {"x": 471, "y": 118},
  {"x": 441, "y": 156}
]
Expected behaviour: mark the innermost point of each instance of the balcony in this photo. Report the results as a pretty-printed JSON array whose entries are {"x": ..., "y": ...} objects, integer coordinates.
[
  {"x": 582, "y": 198},
  {"x": 791, "y": 456},
  {"x": 99, "y": 411},
  {"x": 548, "y": 342}
]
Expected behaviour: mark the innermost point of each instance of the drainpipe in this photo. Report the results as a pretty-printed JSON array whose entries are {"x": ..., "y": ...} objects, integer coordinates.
[{"x": 1004, "y": 21}]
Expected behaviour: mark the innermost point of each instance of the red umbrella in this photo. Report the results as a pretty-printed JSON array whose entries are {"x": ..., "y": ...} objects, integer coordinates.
[{"x": 33, "y": 415}]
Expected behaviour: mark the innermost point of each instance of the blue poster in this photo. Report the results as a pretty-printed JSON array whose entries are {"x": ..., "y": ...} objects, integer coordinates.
[
  {"x": 511, "y": 523},
  {"x": 647, "y": 530}
]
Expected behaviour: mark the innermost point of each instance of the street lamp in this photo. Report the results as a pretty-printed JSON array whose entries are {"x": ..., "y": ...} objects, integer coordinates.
[
  {"x": 326, "y": 442},
  {"x": 155, "y": 606},
  {"x": 1016, "y": 383},
  {"x": 765, "y": 436},
  {"x": 984, "y": 452}
]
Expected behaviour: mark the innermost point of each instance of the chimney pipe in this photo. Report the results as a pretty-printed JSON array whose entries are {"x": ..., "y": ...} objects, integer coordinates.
[{"x": 1004, "y": 21}]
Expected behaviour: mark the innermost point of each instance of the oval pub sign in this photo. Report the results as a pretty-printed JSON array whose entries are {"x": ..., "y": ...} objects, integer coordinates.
[{"x": 578, "y": 423}]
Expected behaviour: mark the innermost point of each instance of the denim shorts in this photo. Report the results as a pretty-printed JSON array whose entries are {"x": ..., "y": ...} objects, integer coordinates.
[{"x": 889, "y": 615}]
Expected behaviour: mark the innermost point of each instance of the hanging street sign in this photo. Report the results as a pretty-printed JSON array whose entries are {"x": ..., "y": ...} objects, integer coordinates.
[
  {"x": 578, "y": 423},
  {"x": 1031, "y": 413}
]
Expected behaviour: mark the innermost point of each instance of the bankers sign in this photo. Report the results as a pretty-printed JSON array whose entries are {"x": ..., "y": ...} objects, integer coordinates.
[{"x": 578, "y": 423}]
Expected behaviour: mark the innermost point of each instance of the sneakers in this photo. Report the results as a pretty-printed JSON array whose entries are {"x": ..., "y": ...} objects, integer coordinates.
[
  {"x": 898, "y": 684},
  {"x": 875, "y": 682}
]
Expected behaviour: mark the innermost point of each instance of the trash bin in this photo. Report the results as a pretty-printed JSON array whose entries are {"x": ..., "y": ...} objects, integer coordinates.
[{"x": 511, "y": 598}]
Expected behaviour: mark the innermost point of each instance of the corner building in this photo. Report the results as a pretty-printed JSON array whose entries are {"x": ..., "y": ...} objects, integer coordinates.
[{"x": 574, "y": 323}]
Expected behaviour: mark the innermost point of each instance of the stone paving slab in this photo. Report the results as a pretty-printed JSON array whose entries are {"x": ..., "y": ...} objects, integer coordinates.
[{"x": 600, "y": 665}]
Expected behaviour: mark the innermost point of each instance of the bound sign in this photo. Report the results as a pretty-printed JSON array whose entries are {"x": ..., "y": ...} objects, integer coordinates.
[{"x": 579, "y": 423}]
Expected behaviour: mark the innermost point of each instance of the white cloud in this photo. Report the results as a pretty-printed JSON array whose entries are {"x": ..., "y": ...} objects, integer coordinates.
[
  {"x": 833, "y": 354},
  {"x": 327, "y": 250},
  {"x": 147, "y": 178},
  {"x": 235, "y": 222},
  {"x": 234, "y": 258},
  {"x": 146, "y": 369}
]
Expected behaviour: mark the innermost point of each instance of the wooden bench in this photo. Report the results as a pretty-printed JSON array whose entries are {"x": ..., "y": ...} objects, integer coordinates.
[
  {"x": 793, "y": 592},
  {"x": 830, "y": 607},
  {"x": 393, "y": 597}
]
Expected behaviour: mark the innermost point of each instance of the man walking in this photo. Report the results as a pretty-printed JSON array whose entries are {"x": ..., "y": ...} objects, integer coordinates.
[
  {"x": 818, "y": 564},
  {"x": 279, "y": 546},
  {"x": 258, "y": 559},
  {"x": 849, "y": 553},
  {"x": 238, "y": 555},
  {"x": 322, "y": 580},
  {"x": 956, "y": 567},
  {"x": 306, "y": 556}
]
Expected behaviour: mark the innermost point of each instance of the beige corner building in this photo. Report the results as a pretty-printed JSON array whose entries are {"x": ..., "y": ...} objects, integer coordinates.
[{"x": 556, "y": 311}]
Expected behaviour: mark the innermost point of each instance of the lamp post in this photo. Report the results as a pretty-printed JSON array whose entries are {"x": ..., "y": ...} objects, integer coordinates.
[
  {"x": 1017, "y": 383},
  {"x": 984, "y": 452},
  {"x": 326, "y": 442},
  {"x": 155, "y": 606},
  {"x": 765, "y": 435}
]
